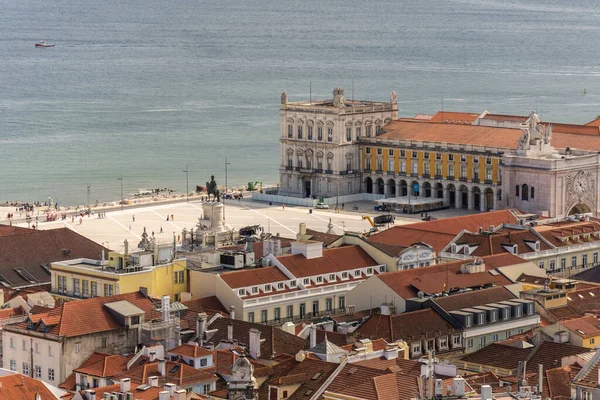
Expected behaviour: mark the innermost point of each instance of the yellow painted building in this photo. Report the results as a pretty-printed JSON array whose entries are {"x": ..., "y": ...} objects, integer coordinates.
[{"x": 121, "y": 273}]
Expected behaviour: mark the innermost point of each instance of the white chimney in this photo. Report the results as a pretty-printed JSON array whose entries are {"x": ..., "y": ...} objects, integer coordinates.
[
  {"x": 541, "y": 377},
  {"x": 180, "y": 395},
  {"x": 289, "y": 327},
  {"x": 166, "y": 308},
  {"x": 201, "y": 321},
  {"x": 164, "y": 395},
  {"x": 486, "y": 392},
  {"x": 162, "y": 367},
  {"x": 390, "y": 353},
  {"x": 458, "y": 384},
  {"x": 230, "y": 332},
  {"x": 312, "y": 335},
  {"x": 254, "y": 343},
  {"x": 171, "y": 387},
  {"x": 232, "y": 312},
  {"x": 126, "y": 246},
  {"x": 308, "y": 248},
  {"x": 153, "y": 381},
  {"x": 386, "y": 309},
  {"x": 90, "y": 394},
  {"x": 125, "y": 385}
]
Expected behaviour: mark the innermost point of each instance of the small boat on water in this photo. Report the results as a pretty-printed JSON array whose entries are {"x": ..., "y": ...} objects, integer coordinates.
[{"x": 42, "y": 43}]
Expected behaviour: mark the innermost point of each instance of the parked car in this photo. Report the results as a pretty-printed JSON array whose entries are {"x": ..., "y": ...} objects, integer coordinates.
[{"x": 322, "y": 206}]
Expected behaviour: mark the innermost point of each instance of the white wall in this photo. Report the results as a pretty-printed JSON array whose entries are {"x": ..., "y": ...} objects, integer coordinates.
[
  {"x": 43, "y": 358},
  {"x": 371, "y": 293}
]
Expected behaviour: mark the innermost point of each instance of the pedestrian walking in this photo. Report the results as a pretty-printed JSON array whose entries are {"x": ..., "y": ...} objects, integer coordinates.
[
  {"x": 161, "y": 231},
  {"x": 133, "y": 218},
  {"x": 129, "y": 227},
  {"x": 172, "y": 218},
  {"x": 167, "y": 217}
]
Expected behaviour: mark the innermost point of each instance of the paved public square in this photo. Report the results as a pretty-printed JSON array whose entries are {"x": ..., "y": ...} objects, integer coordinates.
[{"x": 128, "y": 224}]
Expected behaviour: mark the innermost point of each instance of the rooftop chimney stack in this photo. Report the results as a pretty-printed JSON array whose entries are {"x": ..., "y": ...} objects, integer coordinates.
[
  {"x": 166, "y": 308},
  {"x": 90, "y": 394},
  {"x": 541, "y": 377},
  {"x": 162, "y": 367},
  {"x": 232, "y": 312},
  {"x": 171, "y": 387},
  {"x": 125, "y": 385},
  {"x": 312, "y": 335},
  {"x": 230, "y": 332},
  {"x": 153, "y": 381},
  {"x": 458, "y": 385},
  {"x": 486, "y": 392},
  {"x": 254, "y": 343}
]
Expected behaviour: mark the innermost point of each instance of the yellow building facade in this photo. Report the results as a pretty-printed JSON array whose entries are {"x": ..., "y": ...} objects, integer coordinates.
[
  {"x": 83, "y": 278},
  {"x": 463, "y": 176}
]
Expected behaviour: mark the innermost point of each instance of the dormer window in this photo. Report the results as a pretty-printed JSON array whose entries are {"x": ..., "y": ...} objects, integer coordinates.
[
  {"x": 493, "y": 316},
  {"x": 382, "y": 268},
  {"x": 292, "y": 283},
  {"x": 467, "y": 321},
  {"x": 267, "y": 288},
  {"x": 255, "y": 289},
  {"x": 517, "y": 311},
  {"x": 280, "y": 285},
  {"x": 369, "y": 271},
  {"x": 242, "y": 292},
  {"x": 332, "y": 277},
  {"x": 357, "y": 272},
  {"x": 30, "y": 324},
  {"x": 307, "y": 281},
  {"x": 319, "y": 279},
  {"x": 506, "y": 314},
  {"x": 480, "y": 319},
  {"x": 344, "y": 275}
]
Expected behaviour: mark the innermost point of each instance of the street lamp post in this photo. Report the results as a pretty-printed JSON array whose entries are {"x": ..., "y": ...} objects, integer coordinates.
[
  {"x": 226, "y": 164},
  {"x": 121, "y": 179},
  {"x": 187, "y": 187},
  {"x": 88, "y": 196}
]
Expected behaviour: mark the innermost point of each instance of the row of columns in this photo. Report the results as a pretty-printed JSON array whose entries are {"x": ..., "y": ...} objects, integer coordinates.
[{"x": 458, "y": 203}]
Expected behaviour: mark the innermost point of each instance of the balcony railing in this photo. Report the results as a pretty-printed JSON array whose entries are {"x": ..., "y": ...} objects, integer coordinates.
[
  {"x": 450, "y": 177},
  {"x": 438, "y": 177},
  {"x": 306, "y": 316},
  {"x": 319, "y": 170},
  {"x": 414, "y": 174},
  {"x": 329, "y": 171},
  {"x": 402, "y": 173},
  {"x": 379, "y": 171},
  {"x": 488, "y": 181},
  {"x": 390, "y": 172},
  {"x": 463, "y": 179},
  {"x": 368, "y": 170},
  {"x": 289, "y": 168},
  {"x": 475, "y": 180},
  {"x": 426, "y": 175}
]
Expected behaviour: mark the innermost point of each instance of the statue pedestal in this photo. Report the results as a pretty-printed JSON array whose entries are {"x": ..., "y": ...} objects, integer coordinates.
[{"x": 214, "y": 213}]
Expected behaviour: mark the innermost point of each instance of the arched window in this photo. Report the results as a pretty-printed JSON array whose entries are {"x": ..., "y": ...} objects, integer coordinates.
[
  {"x": 532, "y": 192},
  {"x": 517, "y": 190},
  {"x": 524, "y": 192}
]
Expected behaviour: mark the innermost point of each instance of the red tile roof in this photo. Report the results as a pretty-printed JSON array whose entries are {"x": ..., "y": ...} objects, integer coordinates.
[
  {"x": 484, "y": 136},
  {"x": 450, "y": 117},
  {"x": 191, "y": 351},
  {"x": 11, "y": 312},
  {"x": 403, "y": 282},
  {"x": 585, "y": 327},
  {"x": 204, "y": 304},
  {"x": 439, "y": 233},
  {"x": 175, "y": 372},
  {"x": 21, "y": 387},
  {"x": 103, "y": 365},
  {"x": 474, "y": 298},
  {"x": 31, "y": 250},
  {"x": 409, "y": 326},
  {"x": 252, "y": 277},
  {"x": 81, "y": 317},
  {"x": 559, "y": 381},
  {"x": 334, "y": 260},
  {"x": 8, "y": 230}
]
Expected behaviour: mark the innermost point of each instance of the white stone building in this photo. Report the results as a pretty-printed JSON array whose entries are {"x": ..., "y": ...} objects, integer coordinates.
[{"x": 319, "y": 142}]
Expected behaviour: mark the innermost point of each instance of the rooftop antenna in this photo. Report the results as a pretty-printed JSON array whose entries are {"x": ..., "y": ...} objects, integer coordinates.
[
  {"x": 310, "y": 92},
  {"x": 352, "y": 90}
]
